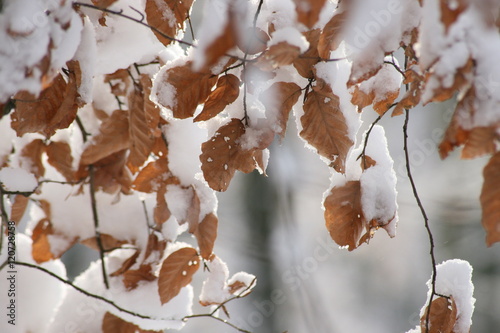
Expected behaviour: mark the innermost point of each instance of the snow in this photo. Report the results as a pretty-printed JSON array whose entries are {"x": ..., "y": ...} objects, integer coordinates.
[
  {"x": 454, "y": 278},
  {"x": 25, "y": 33},
  {"x": 214, "y": 289},
  {"x": 38, "y": 295},
  {"x": 291, "y": 36},
  {"x": 378, "y": 183},
  {"x": 14, "y": 179}
]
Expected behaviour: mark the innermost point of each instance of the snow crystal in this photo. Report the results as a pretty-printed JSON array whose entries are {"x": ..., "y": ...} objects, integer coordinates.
[
  {"x": 454, "y": 278},
  {"x": 15, "y": 179}
]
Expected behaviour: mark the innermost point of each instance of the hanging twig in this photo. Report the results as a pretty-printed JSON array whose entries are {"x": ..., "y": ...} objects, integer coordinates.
[
  {"x": 96, "y": 225},
  {"x": 83, "y": 291},
  {"x": 426, "y": 219}
]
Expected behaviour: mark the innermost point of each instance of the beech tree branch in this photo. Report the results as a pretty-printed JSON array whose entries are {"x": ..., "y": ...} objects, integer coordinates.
[{"x": 426, "y": 220}]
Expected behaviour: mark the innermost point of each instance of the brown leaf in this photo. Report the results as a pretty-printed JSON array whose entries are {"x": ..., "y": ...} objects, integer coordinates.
[
  {"x": 480, "y": 141},
  {"x": 344, "y": 215},
  {"x": 443, "y": 316},
  {"x": 103, "y": 3},
  {"x": 490, "y": 200},
  {"x": 279, "y": 99},
  {"x": 40, "y": 249},
  {"x": 450, "y": 13},
  {"x": 191, "y": 89},
  {"x": 222, "y": 44},
  {"x": 154, "y": 175},
  {"x": 54, "y": 109},
  {"x": 308, "y": 11},
  {"x": 111, "y": 173},
  {"x": 443, "y": 91},
  {"x": 18, "y": 208},
  {"x": 167, "y": 16},
  {"x": 253, "y": 41},
  {"x": 222, "y": 155},
  {"x": 227, "y": 91},
  {"x": 119, "y": 81},
  {"x": 141, "y": 138},
  {"x": 33, "y": 151},
  {"x": 304, "y": 64},
  {"x": 151, "y": 110},
  {"x": 108, "y": 242},
  {"x": 132, "y": 277},
  {"x": 113, "y": 136},
  {"x": 324, "y": 125},
  {"x": 161, "y": 213},
  {"x": 59, "y": 156},
  {"x": 127, "y": 263},
  {"x": 114, "y": 324},
  {"x": 367, "y": 162},
  {"x": 455, "y": 134},
  {"x": 154, "y": 245},
  {"x": 193, "y": 212},
  {"x": 278, "y": 55},
  {"x": 381, "y": 103},
  {"x": 205, "y": 234},
  {"x": 331, "y": 36},
  {"x": 176, "y": 272}
]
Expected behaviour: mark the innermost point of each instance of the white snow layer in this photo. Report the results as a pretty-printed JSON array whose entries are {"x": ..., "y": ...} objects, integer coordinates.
[
  {"x": 454, "y": 278},
  {"x": 28, "y": 35},
  {"x": 15, "y": 179}
]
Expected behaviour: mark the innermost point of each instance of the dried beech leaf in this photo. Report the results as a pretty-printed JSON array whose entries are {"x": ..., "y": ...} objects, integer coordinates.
[
  {"x": 191, "y": 89},
  {"x": 304, "y": 64},
  {"x": 151, "y": 110},
  {"x": 193, "y": 212},
  {"x": 221, "y": 45},
  {"x": 40, "y": 249},
  {"x": 132, "y": 277},
  {"x": 450, "y": 13},
  {"x": 455, "y": 134},
  {"x": 344, "y": 215},
  {"x": 381, "y": 104},
  {"x": 161, "y": 213},
  {"x": 113, "y": 136},
  {"x": 141, "y": 138},
  {"x": 253, "y": 41},
  {"x": 177, "y": 272},
  {"x": 308, "y": 11},
  {"x": 33, "y": 151},
  {"x": 279, "y": 99},
  {"x": 129, "y": 262},
  {"x": 443, "y": 316},
  {"x": 103, "y": 3},
  {"x": 205, "y": 234},
  {"x": 154, "y": 245},
  {"x": 112, "y": 175},
  {"x": 54, "y": 109},
  {"x": 167, "y": 16},
  {"x": 18, "y": 208},
  {"x": 480, "y": 141},
  {"x": 367, "y": 162},
  {"x": 444, "y": 91},
  {"x": 114, "y": 324},
  {"x": 278, "y": 55},
  {"x": 227, "y": 91},
  {"x": 222, "y": 155},
  {"x": 119, "y": 81},
  {"x": 324, "y": 126},
  {"x": 331, "y": 36},
  {"x": 59, "y": 156},
  {"x": 154, "y": 175},
  {"x": 108, "y": 242},
  {"x": 490, "y": 200}
]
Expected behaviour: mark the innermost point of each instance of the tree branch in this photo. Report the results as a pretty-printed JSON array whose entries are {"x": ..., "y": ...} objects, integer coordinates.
[
  {"x": 426, "y": 219},
  {"x": 96, "y": 225}
]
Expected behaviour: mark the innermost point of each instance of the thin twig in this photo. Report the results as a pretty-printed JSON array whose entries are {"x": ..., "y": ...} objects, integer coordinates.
[
  {"x": 362, "y": 155},
  {"x": 141, "y": 22},
  {"x": 96, "y": 225},
  {"x": 83, "y": 291},
  {"x": 396, "y": 67},
  {"x": 82, "y": 129},
  {"x": 426, "y": 219}
]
